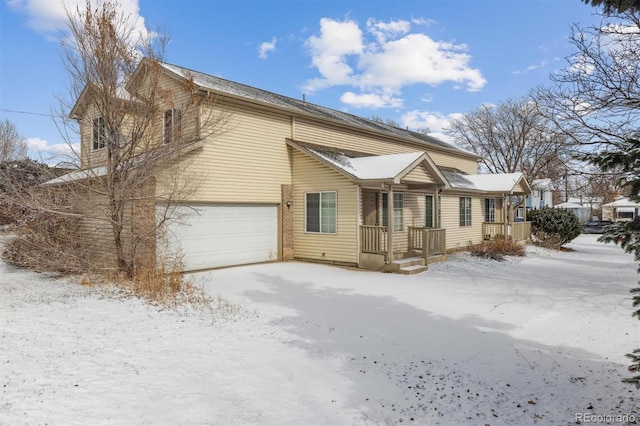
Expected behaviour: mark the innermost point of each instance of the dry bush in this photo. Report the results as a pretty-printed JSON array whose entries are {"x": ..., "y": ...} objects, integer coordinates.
[
  {"x": 497, "y": 249},
  {"x": 47, "y": 243},
  {"x": 550, "y": 241}
]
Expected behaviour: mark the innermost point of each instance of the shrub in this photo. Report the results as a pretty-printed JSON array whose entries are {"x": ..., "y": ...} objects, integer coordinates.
[
  {"x": 47, "y": 243},
  {"x": 554, "y": 227},
  {"x": 497, "y": 249}
]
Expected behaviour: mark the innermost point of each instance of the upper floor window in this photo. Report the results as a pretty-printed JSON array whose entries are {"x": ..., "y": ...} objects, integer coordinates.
[
  {"x": 465, "y": 211},
  {"x": 99, "y": 133},
  {"x": 172, "y": 125}
]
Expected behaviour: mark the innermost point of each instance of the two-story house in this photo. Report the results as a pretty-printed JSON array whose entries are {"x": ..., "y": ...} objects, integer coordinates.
[{"x": 289, "y": 179}]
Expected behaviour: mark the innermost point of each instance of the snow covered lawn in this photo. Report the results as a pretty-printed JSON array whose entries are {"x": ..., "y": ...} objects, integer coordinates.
[{"x": 471, "y": 341}]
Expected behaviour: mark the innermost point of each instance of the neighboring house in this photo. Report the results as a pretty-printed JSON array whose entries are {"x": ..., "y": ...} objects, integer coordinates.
[
  {"x": 541, "y": 194},
  {"x": 583, "y": 213},
  {"x": 292, "y": 180},
  {"x": 621, "y": 209}
]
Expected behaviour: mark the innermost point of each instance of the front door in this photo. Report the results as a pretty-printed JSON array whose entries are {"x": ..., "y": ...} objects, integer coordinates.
[{"x": 370, "y": 208}]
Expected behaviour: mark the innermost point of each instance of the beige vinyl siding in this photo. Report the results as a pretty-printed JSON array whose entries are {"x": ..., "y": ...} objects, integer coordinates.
[
  {"x": 325, "y": 134},
  {"x": 310, "y": 175},
  {"x": 459, "y": 237},
  {"x": 419, "y": 174},
  {"x": 246, "y": 162}
]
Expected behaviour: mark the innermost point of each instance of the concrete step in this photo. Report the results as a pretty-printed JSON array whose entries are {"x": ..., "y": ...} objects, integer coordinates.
[
  {"x": 413, "y": 269},
  {"x": 408, "y": 261}
]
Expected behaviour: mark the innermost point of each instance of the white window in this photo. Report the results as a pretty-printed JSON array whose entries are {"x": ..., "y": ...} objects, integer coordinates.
[
  {"x": 490, "y": 210},
  {"x": 465, "y": 211},
  {"x": 321, "y": 212},
  {"x": 398, "y": 210},
  {"x": 99, "y": 133},
  {"x": 172, "y": 125}
]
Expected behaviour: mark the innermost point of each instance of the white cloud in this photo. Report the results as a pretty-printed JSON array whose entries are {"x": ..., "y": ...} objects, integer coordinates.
[
  {"x": 41, "y": 149},
  {"x": 266, "y": 47},
  {"x": 370, "y": 100},
  {"x": 436, "y": 122},
  {"x": 330, "y": 51},
  {"x": 387, "y": 58},
  {"x": 543, "y": 63},
  {"x": 384, "y": 30},
  {"x": 49, "y": 16}
]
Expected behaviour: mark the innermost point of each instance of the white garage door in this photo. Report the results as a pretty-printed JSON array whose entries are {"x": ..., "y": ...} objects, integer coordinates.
[{"x": 223, "y": 235}]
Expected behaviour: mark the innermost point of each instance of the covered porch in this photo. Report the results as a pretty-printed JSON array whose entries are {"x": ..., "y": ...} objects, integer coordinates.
[{"x": 405, "y": 237}]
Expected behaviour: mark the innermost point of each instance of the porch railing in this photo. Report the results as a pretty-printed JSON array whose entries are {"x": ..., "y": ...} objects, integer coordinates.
[
  {"x": 515, "y": 230},
  {"x": 373, "y": 239},
  {"x": 431, "y": 241}
]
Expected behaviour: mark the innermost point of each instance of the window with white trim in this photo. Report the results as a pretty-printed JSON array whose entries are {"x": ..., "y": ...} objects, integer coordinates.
[
  {"x": 429, "y": 216},
  {"x": 172, "y": 125},
  {"x": 99, "y": 134},
  {"x": 398, "y": 210},
  {"x": 465, "y": 211},
  {"x": 490, "y": 210},
  {"x": 321, "y": 212}
]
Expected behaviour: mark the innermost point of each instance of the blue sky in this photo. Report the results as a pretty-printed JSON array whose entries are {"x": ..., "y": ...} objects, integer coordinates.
[{"x": 418, "y": 62}]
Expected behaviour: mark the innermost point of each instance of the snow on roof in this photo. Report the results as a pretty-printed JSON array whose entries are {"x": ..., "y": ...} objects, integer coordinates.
[
  {"x": 622, "y": 202},
  {"x": 543, "y": 184},
  {"x": 78, "y": 175},
  {"x": 570, "y": 205},
  {"x": 499, "y": 182},
  {"x": 370, "y": 167}
]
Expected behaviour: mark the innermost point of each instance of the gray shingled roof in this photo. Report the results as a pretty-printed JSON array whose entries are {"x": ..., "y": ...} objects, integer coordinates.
[{"x": 226, "y": 86}]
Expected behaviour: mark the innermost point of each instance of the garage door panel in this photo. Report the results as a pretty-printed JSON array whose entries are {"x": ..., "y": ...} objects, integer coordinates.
[{"x": 225, "y": 235}]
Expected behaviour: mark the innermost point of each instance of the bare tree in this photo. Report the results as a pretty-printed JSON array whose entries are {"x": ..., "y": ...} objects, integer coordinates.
[
  {"x": 12, "y": 145},
  {"x": 512, "y": 137},
  {"x": 595, "y": 99},
  {"x": 137, "y": 133}
]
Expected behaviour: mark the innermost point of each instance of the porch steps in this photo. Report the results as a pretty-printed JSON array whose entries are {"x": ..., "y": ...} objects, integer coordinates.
[{"x": 408, "y": 266}]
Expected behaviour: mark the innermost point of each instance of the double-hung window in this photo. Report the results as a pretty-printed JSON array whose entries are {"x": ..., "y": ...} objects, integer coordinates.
[
  {"x": 465, "y": 211},
  {"x": 172, "y": 125},
  {"x": 490, "y": 210},
  {"x": 321, "y": 212},
  {"x": 398, "y": 210},
  {"x": 99, "y": 133}
]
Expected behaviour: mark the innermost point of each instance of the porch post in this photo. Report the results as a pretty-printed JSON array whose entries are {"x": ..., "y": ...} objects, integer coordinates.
[
  {"x": 390, "y": 223},
  {"x": 436, "y": 208},
  {"x": 504, "y": 216}
]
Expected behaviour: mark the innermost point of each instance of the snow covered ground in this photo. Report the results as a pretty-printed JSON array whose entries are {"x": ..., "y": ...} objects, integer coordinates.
[{"x": 535, "y": 340}]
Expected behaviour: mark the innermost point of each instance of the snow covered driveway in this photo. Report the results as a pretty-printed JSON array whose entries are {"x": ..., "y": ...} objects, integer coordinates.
[{"x": 535, "y": 340}]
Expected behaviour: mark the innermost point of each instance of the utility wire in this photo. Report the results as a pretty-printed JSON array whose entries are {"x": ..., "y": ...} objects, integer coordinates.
[{"x": 26, "y": 112}]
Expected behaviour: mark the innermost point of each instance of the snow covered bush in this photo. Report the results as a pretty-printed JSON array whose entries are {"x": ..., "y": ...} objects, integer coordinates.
[{"x": 554, "y": 227}]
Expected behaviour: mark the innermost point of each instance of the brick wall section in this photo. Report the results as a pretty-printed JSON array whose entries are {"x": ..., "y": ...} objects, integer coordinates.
[
  {"x": 143, "y": 237},
  {"x": 287, "y": 222},
  {"x": 96, "y": 234}
]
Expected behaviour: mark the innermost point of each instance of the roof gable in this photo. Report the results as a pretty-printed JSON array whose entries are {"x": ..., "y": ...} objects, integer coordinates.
[{"x": 390, "y": 168}]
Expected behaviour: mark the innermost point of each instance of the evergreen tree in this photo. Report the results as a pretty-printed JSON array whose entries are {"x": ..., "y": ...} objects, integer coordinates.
[
  {"x": 559, "y": 224},
  {"x": 626, "y": 158},
  {"x": 613, "y": 6}
]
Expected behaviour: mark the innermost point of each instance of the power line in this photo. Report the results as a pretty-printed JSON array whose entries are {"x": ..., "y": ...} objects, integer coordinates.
[{"x": 26, "y": 112}]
